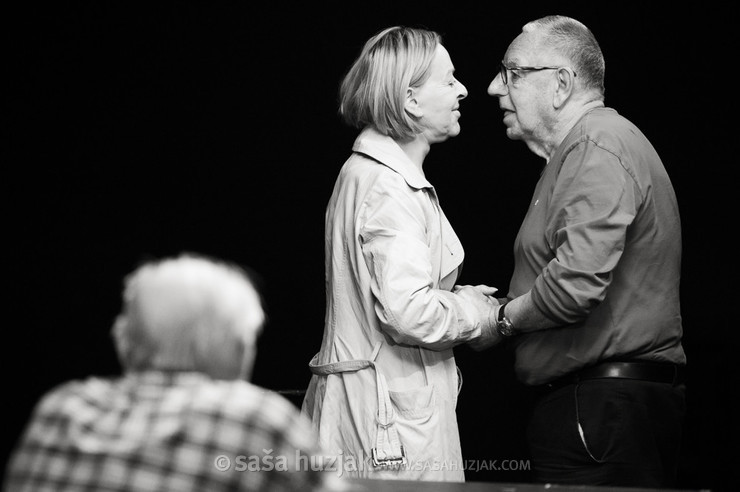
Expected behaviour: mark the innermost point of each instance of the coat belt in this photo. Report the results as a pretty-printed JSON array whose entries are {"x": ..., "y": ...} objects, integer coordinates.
[{"x": 388, "y": 451}]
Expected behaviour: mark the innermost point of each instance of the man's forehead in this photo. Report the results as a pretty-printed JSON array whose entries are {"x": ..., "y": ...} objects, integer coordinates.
[{"x": 526, "y": 49}]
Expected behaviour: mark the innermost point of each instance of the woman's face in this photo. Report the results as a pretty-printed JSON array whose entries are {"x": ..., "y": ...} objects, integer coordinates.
[{"x": 439, "y": 99}]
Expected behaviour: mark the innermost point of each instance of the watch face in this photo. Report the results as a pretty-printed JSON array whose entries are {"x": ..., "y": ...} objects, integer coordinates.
[{"x": 505, "y": 328}]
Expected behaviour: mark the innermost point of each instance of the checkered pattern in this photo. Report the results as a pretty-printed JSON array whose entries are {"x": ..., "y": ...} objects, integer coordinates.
[{"x": 156, "y": 431}]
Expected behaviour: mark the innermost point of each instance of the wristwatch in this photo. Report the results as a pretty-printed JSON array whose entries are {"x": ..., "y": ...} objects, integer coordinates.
[{"x": 503, "y": 324}]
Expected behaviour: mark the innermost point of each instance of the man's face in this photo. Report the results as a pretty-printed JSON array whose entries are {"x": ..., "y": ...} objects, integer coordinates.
[{"x": 526, "y": 95}]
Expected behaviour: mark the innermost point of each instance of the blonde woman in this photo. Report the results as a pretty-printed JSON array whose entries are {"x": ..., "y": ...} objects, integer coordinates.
[{"x": 385, "y": 384}]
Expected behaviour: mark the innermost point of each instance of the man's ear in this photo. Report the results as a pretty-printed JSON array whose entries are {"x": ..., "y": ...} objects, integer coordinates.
[
  {"x": 412, "y": 105},
  {"x": 566, "y": 84},
  {"x": 122, "y": 341}
]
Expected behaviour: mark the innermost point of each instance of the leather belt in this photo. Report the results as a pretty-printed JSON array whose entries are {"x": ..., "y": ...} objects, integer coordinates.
[{"x": 657, "y": 372}]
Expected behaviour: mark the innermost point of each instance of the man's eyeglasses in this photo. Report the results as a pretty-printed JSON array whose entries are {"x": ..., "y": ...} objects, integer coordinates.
[{"x": 504, "y": 70}]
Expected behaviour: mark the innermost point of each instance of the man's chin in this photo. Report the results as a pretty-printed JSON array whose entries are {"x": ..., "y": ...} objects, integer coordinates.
[{"x": 513, "y": 134}]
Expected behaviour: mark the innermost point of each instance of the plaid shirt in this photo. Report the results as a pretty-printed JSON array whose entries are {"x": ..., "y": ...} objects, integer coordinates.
[{"x": 159, "y": 431}]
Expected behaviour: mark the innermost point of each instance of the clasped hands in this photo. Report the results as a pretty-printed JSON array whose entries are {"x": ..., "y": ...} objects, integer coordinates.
[{"x": 481, "y": 297}]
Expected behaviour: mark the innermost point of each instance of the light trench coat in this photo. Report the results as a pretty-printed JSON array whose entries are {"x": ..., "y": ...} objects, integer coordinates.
[{"x": 384, "y": 382}]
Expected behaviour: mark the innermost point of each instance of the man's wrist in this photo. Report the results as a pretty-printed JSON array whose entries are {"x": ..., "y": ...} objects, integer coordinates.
[{"x": 504, "y": 326}]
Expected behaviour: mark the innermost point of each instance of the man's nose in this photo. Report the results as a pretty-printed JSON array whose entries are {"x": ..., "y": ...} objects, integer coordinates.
[{"x": 497, "y": 87}]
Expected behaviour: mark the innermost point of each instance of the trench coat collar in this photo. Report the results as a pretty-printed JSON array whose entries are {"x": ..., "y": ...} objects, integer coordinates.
[{"x": 386, "y": 151}]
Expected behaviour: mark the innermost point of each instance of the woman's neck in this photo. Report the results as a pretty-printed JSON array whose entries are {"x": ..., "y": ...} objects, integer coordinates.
[{"x": 416, "y": 149}]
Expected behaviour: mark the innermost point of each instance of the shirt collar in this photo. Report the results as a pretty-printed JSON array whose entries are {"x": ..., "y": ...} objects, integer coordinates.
[
  {"x": 386, "y": 151},
  {"x": 165, "y": 377}
]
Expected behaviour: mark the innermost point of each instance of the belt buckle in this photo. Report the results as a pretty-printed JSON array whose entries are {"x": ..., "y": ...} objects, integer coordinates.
[{"x": 391, "y": 462}]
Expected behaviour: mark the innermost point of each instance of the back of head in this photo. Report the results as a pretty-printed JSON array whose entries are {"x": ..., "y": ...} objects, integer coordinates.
[
  {"x": 373, "y": 91},
  {"x": 189, "y": 313},
  {"x": 574, "y": 41}
]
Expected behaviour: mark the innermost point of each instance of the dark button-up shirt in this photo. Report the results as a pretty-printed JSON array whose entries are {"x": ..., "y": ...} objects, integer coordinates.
[{"x": 600, "y": 249}]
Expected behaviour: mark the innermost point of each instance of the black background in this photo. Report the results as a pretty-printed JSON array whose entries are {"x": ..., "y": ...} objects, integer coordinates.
[{"x": 139, "y": 130}]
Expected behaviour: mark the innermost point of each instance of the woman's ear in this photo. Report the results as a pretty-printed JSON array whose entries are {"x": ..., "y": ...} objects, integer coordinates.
[{"x": 412, "y": 105}]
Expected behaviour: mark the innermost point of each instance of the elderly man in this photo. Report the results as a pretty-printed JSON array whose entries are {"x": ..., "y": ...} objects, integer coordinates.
[
  {"x": 594, "y": 309},
  {"x": 183, "y": 417}
]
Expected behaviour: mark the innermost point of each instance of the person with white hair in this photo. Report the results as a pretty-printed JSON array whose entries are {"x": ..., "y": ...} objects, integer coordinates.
[
  {"x": 183, "y": 416},
  {"x": 593, "y": 308}
]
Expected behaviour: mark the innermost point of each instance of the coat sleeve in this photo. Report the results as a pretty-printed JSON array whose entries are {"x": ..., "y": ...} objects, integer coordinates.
[{"x": 395, "y": 245}]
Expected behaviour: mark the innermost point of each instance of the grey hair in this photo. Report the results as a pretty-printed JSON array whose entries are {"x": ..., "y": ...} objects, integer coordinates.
[
  {"x": 189, "y": 313},
  {"x": 573, "y": 40}
]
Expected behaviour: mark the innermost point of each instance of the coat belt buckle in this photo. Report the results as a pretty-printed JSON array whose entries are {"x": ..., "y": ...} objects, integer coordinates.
[{"x": 381, "y": 460}]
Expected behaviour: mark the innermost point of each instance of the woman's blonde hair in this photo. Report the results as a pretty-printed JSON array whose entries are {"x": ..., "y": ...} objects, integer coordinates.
[{"x": 374, "y": 89}]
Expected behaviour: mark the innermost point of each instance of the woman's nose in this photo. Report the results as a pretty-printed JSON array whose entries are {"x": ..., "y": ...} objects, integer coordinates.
[{"x": 463, "y": 90}]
